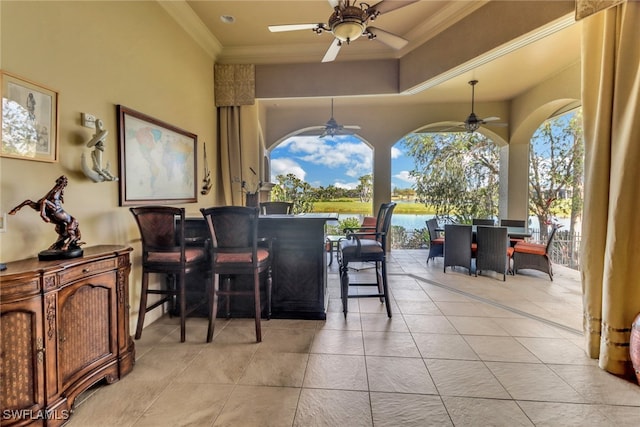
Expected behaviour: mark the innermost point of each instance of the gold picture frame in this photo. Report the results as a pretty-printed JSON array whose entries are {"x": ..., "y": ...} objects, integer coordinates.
[
  {"x": 29, "y": 120},
  {"x": 158, "y": 161}
]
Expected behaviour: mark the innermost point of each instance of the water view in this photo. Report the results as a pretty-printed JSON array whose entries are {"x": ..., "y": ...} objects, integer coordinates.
[{"x": 414, "y": 222}]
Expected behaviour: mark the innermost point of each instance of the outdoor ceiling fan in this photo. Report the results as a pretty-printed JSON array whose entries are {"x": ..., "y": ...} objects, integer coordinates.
[
  {"x": 332, "y": 128},
  {"x": 348, "y": 22},
  {"x": 473, "y": 122}
]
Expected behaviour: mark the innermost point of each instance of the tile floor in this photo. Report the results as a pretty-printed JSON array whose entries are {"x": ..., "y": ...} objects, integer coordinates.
[{"x": 459, "y": 351}]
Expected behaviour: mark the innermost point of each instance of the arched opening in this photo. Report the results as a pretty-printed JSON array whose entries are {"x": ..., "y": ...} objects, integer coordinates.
[
  {"x": 323, "y": 174},
  {"x": 444, "y": 173},
  {"x": 556, "y": 178}
]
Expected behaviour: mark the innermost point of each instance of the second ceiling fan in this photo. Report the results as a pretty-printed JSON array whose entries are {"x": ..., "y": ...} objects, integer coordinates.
[
  {"x": 473, "y": 122},
  {"x": 348, "y": 22},
  {"x": 332, "y": 128}
]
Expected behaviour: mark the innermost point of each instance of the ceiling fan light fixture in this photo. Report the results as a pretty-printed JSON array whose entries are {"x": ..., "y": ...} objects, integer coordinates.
[
  {"x": 472, "y": 123},
  {"x": 348, "y": 31},
  {"x": 349, "y": 23}
]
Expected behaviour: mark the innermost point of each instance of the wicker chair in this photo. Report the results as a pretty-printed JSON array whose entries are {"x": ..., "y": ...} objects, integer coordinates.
[
  {"x": 356, "y": 247},
  {"x": 436, "y": 242},
  {"x": 272, "y": 208},
  {"x": 513, "y": 223},
  {"x": 458, "y": 243},
  {"x": 494, "y": 252},
  {"x": 534, "y": 256},
  {"x": 483, "y": 221}
]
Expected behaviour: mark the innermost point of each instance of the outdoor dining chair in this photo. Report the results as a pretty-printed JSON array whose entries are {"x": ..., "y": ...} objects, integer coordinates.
[
  {"x": 272, "y": 208},
  {"x": 436, "y": 241},
  {"x": 513, "y": 223},
  {"x": 483, "y": 221},
  {"x": 493, "y": 252},
  {"x": 534, "y": 256},
  {"x": 458, "y": 250}
]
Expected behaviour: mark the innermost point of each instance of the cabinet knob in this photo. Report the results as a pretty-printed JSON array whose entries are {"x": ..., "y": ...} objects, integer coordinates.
[
  {"x": 86, "y": 270},
  {"x": 40, "y": 349}
]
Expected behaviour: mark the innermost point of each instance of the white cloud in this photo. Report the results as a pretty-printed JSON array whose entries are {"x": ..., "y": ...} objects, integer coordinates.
[
  {"x": 286, "y": 166},
  {"x": 404, "y": 176},
  {"x": 336, "y": 152},
  {"x": 396, "y": 152},
  {"x": 346, "y": 185}
]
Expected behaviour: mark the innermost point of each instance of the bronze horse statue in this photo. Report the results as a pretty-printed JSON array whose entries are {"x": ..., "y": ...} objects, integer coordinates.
[{"x": 50, "y": 208}]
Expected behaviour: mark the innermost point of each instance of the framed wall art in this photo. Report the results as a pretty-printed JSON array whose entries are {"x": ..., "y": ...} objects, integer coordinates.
[
  {"x": 29, "y": 120},
  {"x": 158, "y": 161}
]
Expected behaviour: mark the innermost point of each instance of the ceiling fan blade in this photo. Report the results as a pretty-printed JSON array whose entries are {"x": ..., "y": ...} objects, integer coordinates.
[
  {"x": 390, "y": 39},
  {"x": 292, "y": 27},
  {"x": 332, "y": 52},
  {"x": 388, "y": 5},
  {"x": 491, "y": 119},
  {"x": 354, "y": 127}
]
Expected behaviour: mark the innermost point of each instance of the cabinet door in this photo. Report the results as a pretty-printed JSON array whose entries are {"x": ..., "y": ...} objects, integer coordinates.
[
  {"x": 87, "y": 326},
  {"x": 21, "y": 360}
]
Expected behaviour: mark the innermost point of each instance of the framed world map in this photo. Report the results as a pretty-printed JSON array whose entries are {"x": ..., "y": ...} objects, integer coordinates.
[{"x": 157, "y": 161}]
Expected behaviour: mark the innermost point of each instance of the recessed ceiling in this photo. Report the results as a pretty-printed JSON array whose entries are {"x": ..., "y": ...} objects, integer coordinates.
[{"x": 248, "y": 40}]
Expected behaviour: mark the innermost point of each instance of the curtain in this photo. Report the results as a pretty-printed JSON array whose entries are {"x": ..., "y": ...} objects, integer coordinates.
[
  {"x": 230, "y": 157},
  {"x": 234, "y": 86},
  {"x": 611, "y": 229}
]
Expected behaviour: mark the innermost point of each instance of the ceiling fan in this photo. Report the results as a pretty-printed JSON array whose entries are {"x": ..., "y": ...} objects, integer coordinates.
[
  {"x": 473, "y": 122},
  {"x": 332, "y": 128},
  {"x": 348, "y": 22}
]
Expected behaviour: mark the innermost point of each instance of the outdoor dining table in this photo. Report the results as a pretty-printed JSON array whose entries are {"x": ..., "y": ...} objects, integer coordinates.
[{"x": 512, "y": 232}]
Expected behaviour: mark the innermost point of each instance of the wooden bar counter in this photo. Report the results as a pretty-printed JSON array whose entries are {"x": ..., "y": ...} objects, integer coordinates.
[{"x": 299, "y": 265}]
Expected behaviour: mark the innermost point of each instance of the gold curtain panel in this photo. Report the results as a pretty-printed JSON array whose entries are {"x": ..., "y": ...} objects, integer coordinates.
[{"x": 234, "y": 85}]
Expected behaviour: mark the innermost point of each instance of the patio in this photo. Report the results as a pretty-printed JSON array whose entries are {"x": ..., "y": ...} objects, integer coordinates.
[{"x": 460, "y": 350}]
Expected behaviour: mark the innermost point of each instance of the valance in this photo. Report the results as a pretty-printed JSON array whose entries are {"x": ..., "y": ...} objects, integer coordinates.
[
  {"x": 234, "y": 84},
  {"x": 585, "y": 8}
]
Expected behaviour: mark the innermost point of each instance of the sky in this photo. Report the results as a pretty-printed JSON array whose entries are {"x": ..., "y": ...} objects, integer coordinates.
[{"x": 338, "y": 161}]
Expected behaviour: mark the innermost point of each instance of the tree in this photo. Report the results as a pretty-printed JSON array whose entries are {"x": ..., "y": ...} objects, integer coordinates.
[
  {"x": 556, "y": 168},
  {"x": 290, "y": 188},
  {"x": 365, "y": 188},
  {"x": 456, "y": 173}
]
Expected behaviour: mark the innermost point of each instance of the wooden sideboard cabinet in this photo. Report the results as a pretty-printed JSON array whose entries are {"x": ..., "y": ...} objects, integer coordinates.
[{"x": 64, "y": 326}]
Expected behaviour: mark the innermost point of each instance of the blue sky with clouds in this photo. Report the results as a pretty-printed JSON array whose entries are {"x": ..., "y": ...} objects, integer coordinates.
[{"x": 338, "y": 161}]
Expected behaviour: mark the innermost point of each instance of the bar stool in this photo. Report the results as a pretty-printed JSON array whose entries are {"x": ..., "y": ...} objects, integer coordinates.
[{"x": 164, "y": 251}]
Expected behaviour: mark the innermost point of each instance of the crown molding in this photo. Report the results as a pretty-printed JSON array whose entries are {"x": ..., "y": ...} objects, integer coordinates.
[{"x": 182, "y": 13}]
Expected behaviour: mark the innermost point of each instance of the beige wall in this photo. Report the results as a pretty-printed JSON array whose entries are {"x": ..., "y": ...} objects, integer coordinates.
[{"x": 98, "y": 55}]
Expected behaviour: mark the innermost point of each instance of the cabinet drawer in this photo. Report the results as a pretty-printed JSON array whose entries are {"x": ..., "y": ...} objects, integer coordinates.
[
  {"x": 84, "y": 270},
  {"x": 19, "y": 288}
]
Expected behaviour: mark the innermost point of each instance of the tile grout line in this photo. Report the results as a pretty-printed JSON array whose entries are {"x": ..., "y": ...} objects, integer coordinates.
[{"x": 495, "y": 304}]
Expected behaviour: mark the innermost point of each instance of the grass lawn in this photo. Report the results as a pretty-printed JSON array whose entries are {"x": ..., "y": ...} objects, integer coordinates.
[{"x": 356, "y": 207}]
